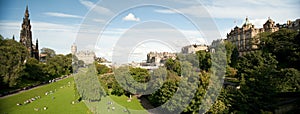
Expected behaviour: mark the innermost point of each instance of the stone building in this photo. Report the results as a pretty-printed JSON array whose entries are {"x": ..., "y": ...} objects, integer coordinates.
[
  {"x": 245, "y": 37},
  {"x": 26, "y": 37},
  {"x": 159, "y": 58},
  {"x": 193, "y": 49},
  {"x": 215, "y": 43},
  {"x": 88, "y": 57},
  {"x": 74, "y": 49},
  {"x": 294, "y": 25}
]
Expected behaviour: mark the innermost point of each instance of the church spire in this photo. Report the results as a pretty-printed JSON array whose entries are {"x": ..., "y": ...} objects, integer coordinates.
[
  {"x": 37, "y": 44},
  {"x": 26, "y": 36},
  {"x": 26, "y": 12},
  {"x": 247, "y": 22}
]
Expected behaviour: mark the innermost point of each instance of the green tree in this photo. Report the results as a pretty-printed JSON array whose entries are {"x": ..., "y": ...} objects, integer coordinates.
[
  {"x": 257, "y": 72},
  {"x": 76, "y": 64},
  {"x": 12, "y": 56},
  {"x": 87, "y": 84},
  {"x": 1, "y": 37},
  {"x": 234, "y": 57},
  {"x": 173, "y": 65},
  {"x": 229, "y": 51},
  {"x": 288, "y": 80},
  {"x": 204, "y": 60},
  {"x": 195, "y": 103},
  {"x": 34, "y": 70},
  {"x": 218, "y": 107},
  {"x": 118, "y": 90},
  {"x": 140, "y": 75},
  {"x": 101, "y": 69},
  {"x": 284, "y": 44},
  {"x": 48, "y": 52},
  {"x": 59, "y": 65},
  {"x": 164, "y": 93}
]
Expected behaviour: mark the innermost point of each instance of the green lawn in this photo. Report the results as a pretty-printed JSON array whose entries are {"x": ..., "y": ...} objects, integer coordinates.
[
  {"x": 61, "y": 102},
  {"x": 119, "y": 103},
  {"x": 58, "y": 102}
]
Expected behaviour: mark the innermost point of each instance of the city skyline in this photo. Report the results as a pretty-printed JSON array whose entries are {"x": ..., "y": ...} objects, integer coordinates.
[{"x": 56, "y": 23}]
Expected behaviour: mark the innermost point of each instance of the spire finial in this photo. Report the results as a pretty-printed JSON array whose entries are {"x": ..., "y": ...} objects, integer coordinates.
[
  {"x": 246, "y": 21},
  {"x": 26, "y": 11}
]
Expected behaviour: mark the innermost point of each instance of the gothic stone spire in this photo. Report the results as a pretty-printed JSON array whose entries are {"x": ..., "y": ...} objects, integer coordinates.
[
  {"x": 26, "y": 12},
  {"x": 26, "y": 35}
]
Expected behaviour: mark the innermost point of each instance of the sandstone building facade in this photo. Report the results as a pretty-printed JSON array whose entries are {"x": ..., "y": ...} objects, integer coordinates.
[
  {"x": 245, "y": 38},
  {"x": 192, "y": 49},
  {"x": 159, "y": 58}
]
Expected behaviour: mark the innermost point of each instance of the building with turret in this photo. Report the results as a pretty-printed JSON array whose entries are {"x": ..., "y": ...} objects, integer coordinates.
[
  {"x": 26, "y": 37},
  {"x": 244, "y": 38},
  {"x": 87, "y": 56}
]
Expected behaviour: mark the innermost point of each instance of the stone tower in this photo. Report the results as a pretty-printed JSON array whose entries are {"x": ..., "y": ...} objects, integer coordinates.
[
  {"x": 270, "y": 26},
  {"x": 26, "y": 36},
  {"x": 74, "y": 49}
]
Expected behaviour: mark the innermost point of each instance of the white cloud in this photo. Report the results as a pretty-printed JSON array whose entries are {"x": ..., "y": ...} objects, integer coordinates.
[
  {"x": 63, "y": 15},
  {"x": 99, "y": 20},
  {"x": 258, "y": 23},
  {"x": 87, "y": 4},
  {"x": 55, "y": 36},
  {"x": 131, "y": 17},
  {"x": 97, "y": 8},
  {"x": 278, "y": 10},
  {"x": 165, "y": 11}
]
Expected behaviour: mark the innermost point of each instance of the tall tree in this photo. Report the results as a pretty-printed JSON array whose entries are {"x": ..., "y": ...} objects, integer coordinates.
[
  {"x": 257, "y": 73},
  {"x": 285, "y": 45},
  {"x": 34, "y": 70},
  {"x": 173, "y": 65},
  {"x": 1, "y": 37},
  {"x": 48, "y": 52},
  {"x": 59, "y": 65},
  {"x": 12, "y": 56},
  {"x": 204, "y": 60}
]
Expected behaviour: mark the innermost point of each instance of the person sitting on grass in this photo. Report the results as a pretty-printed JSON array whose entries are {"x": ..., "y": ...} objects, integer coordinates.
[
  {"x": 113, "y": 108},
  {"x": 45, "y": 108}
]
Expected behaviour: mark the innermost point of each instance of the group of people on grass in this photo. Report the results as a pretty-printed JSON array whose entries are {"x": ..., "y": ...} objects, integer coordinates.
[
  {"x": 38, "y": 97},
  {"x": 44, "y": 108},
  {"x": 29, "y": 100},
  {"x": 111, "y": 106}
]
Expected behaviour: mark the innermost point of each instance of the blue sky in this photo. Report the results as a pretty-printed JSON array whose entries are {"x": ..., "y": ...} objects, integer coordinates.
[{"x": 99, "y": 25}]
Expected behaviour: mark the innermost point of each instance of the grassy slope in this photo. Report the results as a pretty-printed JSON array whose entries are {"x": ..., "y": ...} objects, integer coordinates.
[
  {"x": 120, "y": 103},
  {"x": 61, "y": 104}
]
